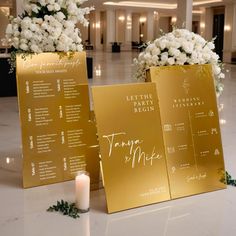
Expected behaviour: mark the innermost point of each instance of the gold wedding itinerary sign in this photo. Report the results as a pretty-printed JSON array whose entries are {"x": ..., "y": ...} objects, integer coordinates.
[
  {"x": 131, "y": 145},
  {"x": 58, "y": 133},
  {"x": 191, "y": 130}
]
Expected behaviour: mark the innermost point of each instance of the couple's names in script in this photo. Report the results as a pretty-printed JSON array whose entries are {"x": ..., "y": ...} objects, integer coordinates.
[{"x": 136, "y": 155}]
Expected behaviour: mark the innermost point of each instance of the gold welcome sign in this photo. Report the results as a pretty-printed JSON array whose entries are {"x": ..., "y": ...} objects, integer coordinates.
[
  {"x": 191, "y": 130},
  {"x": 58, "y": 133},
  {"x": 131, "y": 145}
]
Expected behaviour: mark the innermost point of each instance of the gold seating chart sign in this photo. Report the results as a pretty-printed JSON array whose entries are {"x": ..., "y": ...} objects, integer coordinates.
[
  {"x": 131, "y": 145},
  {"x": 191, "y": 129},
  {"x": 58, "y": 129}
]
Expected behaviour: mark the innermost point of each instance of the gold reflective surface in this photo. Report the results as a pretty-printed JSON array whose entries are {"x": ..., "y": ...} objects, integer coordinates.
[
  {"x": 131, "y": 145},
  {"x": 191, "y": 130},
  {"x": 58, "y": 134}
]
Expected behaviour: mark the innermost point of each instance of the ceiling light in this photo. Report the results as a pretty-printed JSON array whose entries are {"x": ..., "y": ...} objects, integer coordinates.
[
  {"x": 142, "y": 19},
  {"x": 121, "y": 18},
  {"x": 142, "y": 4},
  {"x": 205, "y": 2},
  {"x": 155, "y": 5},
  {"x": 197, "y": 12}
]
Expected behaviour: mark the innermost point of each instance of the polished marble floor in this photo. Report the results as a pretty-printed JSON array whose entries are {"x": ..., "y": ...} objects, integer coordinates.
[{"x": 23, "y": 212}]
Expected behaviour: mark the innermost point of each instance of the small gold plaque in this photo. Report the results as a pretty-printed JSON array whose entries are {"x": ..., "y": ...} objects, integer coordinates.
[
  {"x": 191, "y": 130},
  {"x": 131, "y": 145},
  {"x": 58, "y": 136}
]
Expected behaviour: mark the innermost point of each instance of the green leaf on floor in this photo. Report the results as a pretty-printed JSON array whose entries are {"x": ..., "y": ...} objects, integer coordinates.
[{"x": 65, "y": 208}]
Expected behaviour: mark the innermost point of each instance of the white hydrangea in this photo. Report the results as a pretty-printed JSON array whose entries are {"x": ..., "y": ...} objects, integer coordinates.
[
  {"x": 54, "y": 31},
  {"x": 179, "y": 47}
]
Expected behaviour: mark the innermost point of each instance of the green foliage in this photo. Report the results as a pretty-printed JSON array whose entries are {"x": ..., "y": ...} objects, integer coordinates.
[
  {"x": 229, "y": 180},
  {"x": 68, "y": 209}
]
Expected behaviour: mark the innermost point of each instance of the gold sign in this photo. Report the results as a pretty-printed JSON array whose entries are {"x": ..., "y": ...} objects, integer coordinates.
[
  {"x": 58, "y": 134},
  {"x": 131, "y": 145},
  {"x": 191, "y": 130}
]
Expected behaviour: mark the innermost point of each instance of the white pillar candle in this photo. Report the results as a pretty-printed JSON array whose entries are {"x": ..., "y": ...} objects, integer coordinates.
[{"x": 82, "y": 189}]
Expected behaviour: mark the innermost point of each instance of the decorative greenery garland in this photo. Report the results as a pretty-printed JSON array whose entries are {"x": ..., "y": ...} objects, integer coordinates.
[{"x": 65, "y": 208}]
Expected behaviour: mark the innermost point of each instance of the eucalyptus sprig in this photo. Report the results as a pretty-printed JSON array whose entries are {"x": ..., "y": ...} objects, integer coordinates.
[
  {"x": 65, "y": 208},
  {"x": 229, "y": 180}
]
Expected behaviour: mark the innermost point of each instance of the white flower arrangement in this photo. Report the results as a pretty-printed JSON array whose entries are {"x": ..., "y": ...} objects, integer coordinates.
[
  {"x": 179, "y": 47},
  {"x": 47, "y": 26}
]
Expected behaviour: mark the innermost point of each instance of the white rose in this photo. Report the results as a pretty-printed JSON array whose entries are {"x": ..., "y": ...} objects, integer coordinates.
[
  {"x": 187, "y": 46},
  {"x": 216, "y": 69},
  {"x": 150, "y": 47},
  {"x": 72, "y": 9},
  {"x": 35, "y": 8},
  {"x": 181, "y": 59},
  {"x": 211, "y": 45},
  {"x": 25, "y": 23},
  {"x": 155, "y": 51},
  {"x": 60, "y": 16},
  {"x": 57, "y": 7},
  {"x": 51, "y": 2},
  {"x": 206, "y": 56},
  {"x": 50, "y": 7},
  {"x": 50, "y": 48},
  {"x": 221, "y": 76},
  {"x": 33, "y": 27},
  {"x": 79, "y": 48},
  {"x": 26, "y": 34},
  {"x": 164, "y": 58},
  {"x": 155, "y": 59},
  {"x": 174, "y": 52},
  {"x": 214, "y": 57},
  {"x": 42, "y": 2},
  {"x": 35, "y": 48},
  {"x": 147, "y": 56},
  {"x": 171, "y": 61},
  {"x": 27, "y": 7},
  {"x": 141, "y": 56},
  {"x": 15, "y": 42},
  {"x": 163, "y": 44},
  {"x": 24, "y": 47}
]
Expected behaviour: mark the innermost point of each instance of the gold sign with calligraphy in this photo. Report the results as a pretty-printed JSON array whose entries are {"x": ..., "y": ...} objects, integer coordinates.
[
  {"x": 58, "y": 134},
  {"x": 191, "y": 130},
  {"x": 131, "y": 145}
]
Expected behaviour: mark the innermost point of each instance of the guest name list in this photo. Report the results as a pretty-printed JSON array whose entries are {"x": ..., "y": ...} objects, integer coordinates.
[{"x": 55, "y": 118}]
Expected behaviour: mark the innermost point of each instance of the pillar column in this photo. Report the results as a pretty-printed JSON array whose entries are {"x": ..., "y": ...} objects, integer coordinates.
[
  {"x": 209, "y": 23},
  {"x": 229, "y": 32},
  {"x": 120, "y": 26},
  {"x": 95, "y": 29},
  {"x": 17, "y": 7},
  {"x": 128, "y": 31},
  {"x": 135, "y": 27},
  {"x": 156, "y": 25},
  {"x": 110, "y": 28},
  {"x": 150, "y": 26},
  {"x": 184, "y": 14}
]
